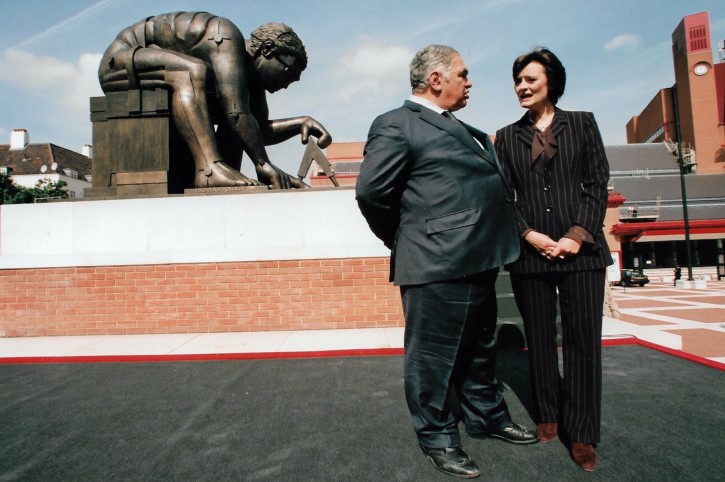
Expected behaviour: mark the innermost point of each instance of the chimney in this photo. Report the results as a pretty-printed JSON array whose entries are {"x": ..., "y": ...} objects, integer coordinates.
[
  {"x": 87, "y": 151},
  {"x": 19, "y": 138}
]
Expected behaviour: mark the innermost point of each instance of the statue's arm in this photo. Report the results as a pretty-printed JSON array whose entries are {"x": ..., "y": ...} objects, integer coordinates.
[
  {"x": 282, "y": 129},
  {"x": 234, "y": 96},
  {"x": 248, "y": 128}
]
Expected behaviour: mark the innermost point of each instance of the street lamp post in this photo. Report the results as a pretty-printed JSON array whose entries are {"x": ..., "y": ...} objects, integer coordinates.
[{"x": 683, "y": 187}]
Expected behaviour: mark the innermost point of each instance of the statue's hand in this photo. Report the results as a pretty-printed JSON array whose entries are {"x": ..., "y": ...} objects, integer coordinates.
[
  {"x": 276, "y": 178},
  {"x": 312, "y": 127}
]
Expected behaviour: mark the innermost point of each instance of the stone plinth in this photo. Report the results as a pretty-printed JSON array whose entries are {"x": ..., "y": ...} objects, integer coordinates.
[
  {"x": 255, "y": 261},
  {"x": 137, "y": 150}
]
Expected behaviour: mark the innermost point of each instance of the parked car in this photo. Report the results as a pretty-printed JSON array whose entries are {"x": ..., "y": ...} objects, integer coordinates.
[{"x": 630, "y": 277}]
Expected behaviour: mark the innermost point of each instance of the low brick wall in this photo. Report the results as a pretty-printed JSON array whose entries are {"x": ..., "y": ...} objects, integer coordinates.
[{"x": 198, "y": 298}]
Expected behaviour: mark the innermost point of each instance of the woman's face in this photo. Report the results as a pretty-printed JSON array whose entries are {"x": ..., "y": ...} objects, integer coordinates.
[{"x": 532, "y": 87}]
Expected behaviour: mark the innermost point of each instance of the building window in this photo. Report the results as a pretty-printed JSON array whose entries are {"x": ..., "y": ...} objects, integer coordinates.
[
  {"x": 698, "y": 38},
  {"x": 71, "y": 173},
  {"x": 656, "y": 136}
]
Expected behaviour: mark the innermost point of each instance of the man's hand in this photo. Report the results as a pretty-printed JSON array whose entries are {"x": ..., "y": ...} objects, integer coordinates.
[
  {"x": 276, "y": 178},
  {"x": 311, "y": 127}
]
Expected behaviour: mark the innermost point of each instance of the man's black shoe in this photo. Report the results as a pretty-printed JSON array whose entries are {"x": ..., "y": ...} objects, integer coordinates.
[
  {"x": 452, "y": 461},
  {"x": 513, "y": 433}
]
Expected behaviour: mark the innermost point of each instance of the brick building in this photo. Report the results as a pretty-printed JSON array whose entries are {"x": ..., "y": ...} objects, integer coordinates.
[
  {"x": 691, "y": 111},
  {"x": 645, "y": 225},
  {"x": 699, "y": 92}
]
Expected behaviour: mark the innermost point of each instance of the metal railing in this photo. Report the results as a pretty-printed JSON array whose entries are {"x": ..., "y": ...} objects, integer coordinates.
[{"x": 636, "y": 214}]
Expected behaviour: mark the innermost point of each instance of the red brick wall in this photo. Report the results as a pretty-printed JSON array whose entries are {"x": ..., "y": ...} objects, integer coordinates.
[{"x": 199, "y": 298}]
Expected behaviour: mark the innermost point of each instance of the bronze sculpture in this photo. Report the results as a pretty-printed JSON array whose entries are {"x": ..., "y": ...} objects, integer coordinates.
[{"x": 216, "y": 77}]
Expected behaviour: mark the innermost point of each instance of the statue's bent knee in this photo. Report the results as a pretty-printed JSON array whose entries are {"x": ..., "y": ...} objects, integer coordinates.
[{"x": 119, "y": 67}]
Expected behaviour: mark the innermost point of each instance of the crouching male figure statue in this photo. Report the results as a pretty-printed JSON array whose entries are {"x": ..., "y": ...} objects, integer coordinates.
[{"x": 216, "y": 76}]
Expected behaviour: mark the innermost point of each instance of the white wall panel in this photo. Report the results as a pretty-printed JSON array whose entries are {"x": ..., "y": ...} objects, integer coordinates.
[{"x": 274, "y": 225}]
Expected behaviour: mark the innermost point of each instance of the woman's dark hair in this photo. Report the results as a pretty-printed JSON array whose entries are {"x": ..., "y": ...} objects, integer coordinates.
[{"x": 555, "y": 72}]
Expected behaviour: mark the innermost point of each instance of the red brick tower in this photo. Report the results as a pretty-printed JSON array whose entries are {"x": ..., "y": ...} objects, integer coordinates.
[{"x": 696, "y": 91}]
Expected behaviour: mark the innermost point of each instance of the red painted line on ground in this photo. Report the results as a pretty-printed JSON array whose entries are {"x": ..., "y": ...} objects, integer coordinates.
[
  {"x": 619, "y": 341},
  {"x": 682, "y": 354},
  {"x": 664, "y": 349},
  {"x": 201, "y": 356},
  {"x": 307, "y": 354}
]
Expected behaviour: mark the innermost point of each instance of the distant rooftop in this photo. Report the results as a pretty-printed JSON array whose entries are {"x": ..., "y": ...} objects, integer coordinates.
[
  {"x": 44, "y": 158},
  {"x": 641, "y": 159},
  {"x": 705, "y": 194}
]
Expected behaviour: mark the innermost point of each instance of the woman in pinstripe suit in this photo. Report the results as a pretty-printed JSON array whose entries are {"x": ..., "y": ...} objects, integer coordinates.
[{"x": 554, "y": 160}]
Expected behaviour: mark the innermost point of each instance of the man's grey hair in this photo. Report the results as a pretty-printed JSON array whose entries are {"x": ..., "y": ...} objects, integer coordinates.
[{"x": 427, "y": 60}]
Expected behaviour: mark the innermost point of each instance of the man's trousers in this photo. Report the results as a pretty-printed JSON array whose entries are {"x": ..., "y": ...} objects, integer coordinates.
[{"x": 450, "y": 358}]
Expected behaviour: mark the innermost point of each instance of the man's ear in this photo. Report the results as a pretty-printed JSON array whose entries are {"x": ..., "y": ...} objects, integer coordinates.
[
  {"x": 268, "y": 48},
  {"x": 435, "y": 80}
]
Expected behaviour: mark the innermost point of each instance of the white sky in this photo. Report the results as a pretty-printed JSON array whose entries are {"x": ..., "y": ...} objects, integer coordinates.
[{"x": 617, "y": 55}]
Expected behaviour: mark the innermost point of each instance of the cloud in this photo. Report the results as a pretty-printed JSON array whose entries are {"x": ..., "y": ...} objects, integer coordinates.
[
  {"x": 372, "y": 69},
  {"x": 626, "y": 41},
  {"x": 69, "y": 85}
]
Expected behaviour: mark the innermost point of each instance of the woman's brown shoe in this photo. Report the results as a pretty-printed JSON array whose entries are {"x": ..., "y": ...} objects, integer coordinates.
[
  {"x": 547, "y": 431},
  {"x": 584, "y": 455}
]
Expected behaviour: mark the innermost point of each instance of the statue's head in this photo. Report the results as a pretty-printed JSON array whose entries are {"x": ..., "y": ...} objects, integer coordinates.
[{"x": 279, "y": 43}]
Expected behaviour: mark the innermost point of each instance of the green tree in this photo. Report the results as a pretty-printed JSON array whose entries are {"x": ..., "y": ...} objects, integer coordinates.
[{"x": 44, "y": 190}]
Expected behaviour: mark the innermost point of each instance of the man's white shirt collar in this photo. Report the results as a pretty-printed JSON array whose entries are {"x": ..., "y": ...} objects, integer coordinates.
[
  {"x": 426, "y": 103},
  {"x": 436, "y": 109}
]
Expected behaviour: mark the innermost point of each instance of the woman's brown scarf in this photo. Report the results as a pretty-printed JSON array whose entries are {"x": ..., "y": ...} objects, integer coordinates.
[{"x": 543, "y": 149}]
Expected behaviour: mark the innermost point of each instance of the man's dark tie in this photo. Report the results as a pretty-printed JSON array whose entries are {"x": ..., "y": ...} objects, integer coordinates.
[{"x": 449, "y": 115}]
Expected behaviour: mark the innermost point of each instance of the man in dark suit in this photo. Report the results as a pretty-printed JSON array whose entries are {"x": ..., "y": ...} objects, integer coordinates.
[{"x": 431, "y": 189}]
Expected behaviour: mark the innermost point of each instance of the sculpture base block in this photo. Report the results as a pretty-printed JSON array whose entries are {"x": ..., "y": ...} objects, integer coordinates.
[
  {"x": 239, "y": 262},
  {"x": 137, "y": 149}
]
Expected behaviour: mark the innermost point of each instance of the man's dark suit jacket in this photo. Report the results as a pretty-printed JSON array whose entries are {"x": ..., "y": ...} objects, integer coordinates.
[
  {"x": 572, "y": 192},
  {"x": 434, "y": 196}
]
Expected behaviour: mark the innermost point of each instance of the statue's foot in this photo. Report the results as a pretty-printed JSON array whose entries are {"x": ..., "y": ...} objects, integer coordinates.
[{"x": 220, "y": 174}]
